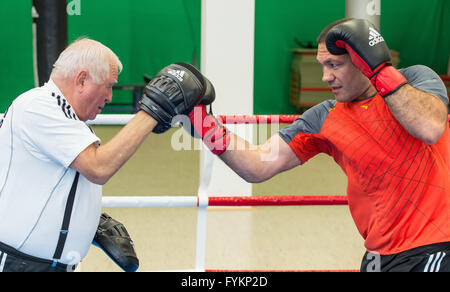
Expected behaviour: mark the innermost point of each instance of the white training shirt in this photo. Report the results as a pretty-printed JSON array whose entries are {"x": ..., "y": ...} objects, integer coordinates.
[{"x": 39, "y": 138}]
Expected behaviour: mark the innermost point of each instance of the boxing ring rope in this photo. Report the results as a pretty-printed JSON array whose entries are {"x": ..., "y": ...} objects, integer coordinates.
[
  {"x": 123, "y": 119},
  {"x": 229, "y": 201}
]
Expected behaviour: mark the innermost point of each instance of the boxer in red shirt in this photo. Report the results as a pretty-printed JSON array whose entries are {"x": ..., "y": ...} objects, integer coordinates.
[{"x": 388, "y": 131}]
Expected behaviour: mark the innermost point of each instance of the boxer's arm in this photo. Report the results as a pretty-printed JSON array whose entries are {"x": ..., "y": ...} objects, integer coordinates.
[
  {"x": 253, "y": 163},
  {"x": 259, "y": 163},
  {"x": 99, "y": 164},
  {"x": 422, "y": 114}
]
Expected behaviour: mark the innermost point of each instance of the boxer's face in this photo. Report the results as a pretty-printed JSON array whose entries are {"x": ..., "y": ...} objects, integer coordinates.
[
  {"x": 95, "y": 96},
  {"x": 345, "y": 79}
]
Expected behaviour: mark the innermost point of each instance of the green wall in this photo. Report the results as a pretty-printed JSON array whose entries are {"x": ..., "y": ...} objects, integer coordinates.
[
  {"x": 277, "y": 25},
  {"x": 149, "y": 34},
  {"x": 419, "y": 30},
  {"x": 16, "y": 57}
]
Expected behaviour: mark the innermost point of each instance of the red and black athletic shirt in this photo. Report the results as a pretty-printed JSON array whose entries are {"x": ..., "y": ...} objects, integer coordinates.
[{"x": 398, "y": 186}]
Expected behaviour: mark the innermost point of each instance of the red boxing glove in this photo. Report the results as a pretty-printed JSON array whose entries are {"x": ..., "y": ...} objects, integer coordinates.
[
  {"x": 368, "y": 51},
  {"x": 205, "y": 126}
]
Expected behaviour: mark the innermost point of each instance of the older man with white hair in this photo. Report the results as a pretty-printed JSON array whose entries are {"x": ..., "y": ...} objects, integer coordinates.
[{"x": 53, "y": 165}]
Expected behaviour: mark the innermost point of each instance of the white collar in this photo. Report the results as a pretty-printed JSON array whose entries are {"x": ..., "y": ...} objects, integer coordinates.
[
  {"x": 56, "y": 92},
  {"x": 50, "y": 84}
]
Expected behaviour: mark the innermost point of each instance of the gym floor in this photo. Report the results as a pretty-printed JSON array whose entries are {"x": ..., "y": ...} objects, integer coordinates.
[{"x": 244, "y": 238}]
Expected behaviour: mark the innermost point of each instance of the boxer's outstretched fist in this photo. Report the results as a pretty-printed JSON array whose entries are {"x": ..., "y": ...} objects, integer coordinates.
[
  {"x": 368, "y": 51},
  {"x": 208, "y": 128}
]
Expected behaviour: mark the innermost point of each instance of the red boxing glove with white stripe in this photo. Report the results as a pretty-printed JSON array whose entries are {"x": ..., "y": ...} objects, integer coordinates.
[
  {"x": 368, "y": 51},
  {"x": 205, "y": 126}
]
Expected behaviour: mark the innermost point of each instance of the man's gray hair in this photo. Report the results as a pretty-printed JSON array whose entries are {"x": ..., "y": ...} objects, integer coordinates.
[{"x": 87, "y": 54}]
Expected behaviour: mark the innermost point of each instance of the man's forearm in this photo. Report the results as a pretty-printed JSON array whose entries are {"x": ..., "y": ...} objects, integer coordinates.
[
  {"x": 422, "y": 114},
  {"x": 244, "y": 159},
  {"x": 98, "y": 165},
  {"x": 122, "y": 146},
  {"x": 256, "y": 164}
]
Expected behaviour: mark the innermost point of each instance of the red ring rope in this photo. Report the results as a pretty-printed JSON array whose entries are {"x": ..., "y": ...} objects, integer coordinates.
[
  {"x": 286, "y": 271},
  {"x": 262, "y": 119},
  {"x": 258, "y": 119},
  {"x": 277, "y": 200}
]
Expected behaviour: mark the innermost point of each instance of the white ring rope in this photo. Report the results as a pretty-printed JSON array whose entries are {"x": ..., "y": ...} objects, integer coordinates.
[
  {"x": 149, "y": 202},
  {"x": 113, "y": 119}
]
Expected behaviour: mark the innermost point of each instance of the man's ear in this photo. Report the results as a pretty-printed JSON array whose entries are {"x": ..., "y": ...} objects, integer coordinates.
[{"x": 80, "y": 78}]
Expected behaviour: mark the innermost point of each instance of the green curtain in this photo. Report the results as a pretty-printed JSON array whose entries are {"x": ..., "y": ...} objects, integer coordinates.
[
  {"x": 419, "y": 30},
  {"x": 16, "y": 55},
  {"x": 277, "y": 25}
]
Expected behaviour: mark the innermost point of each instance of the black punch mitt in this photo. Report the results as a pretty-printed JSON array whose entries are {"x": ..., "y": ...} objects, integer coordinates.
[{"x": 113, "y": 238}]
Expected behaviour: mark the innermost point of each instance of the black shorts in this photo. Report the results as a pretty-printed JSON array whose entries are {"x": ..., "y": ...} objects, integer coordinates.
[
  {"x": 428, "y": 258},
  {"x": 12, "y": 260}
]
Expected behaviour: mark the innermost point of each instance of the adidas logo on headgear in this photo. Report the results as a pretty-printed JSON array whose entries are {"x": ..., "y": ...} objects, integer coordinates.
[
  {"x": 177, "y": 73},
  {"x": 374, "y": 37}
]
